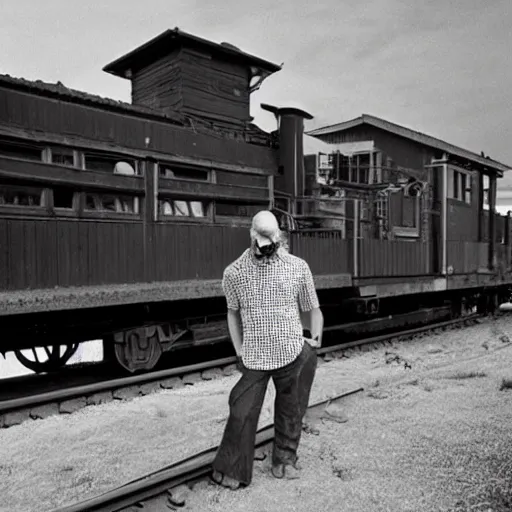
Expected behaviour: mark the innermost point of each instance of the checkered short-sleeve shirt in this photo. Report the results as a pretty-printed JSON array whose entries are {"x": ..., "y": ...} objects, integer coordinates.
[{"x": 268, "y": 294}]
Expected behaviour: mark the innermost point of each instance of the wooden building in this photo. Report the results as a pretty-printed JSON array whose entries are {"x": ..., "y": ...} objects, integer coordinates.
[{"x": 450, "y": 213}]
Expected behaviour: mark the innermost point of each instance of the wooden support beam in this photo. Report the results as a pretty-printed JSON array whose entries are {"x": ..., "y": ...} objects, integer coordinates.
[
  {"x": 492, "y": 223},
  {"x": 51, "y": 174},
  {"x": 192, "y": 189},
  {"x": 480, "y": 205}
]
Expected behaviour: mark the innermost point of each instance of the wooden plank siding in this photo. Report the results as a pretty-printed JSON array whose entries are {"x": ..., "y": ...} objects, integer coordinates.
[
  {"x": 383, "y": 258},
  {"x": 194, "y": 251},
  {"x": 466, "y": 257},
  {"x": 325, "y": 255},
  {"x": 74, "y": 124},
  {"x": 59, "y": 252},
  {"x": 158, "y": 85}
]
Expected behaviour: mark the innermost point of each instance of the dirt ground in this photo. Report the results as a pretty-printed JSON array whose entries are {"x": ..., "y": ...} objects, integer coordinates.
[{"x": 418, "y": 438}]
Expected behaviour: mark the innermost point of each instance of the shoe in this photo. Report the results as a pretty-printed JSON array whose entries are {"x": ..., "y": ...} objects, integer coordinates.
[
  {"x": 224, "y": 480},
  {"x": 286, "y": 471}
]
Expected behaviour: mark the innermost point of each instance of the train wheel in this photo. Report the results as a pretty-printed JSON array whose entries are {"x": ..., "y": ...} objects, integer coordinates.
[
  {"x": 140, "y": 349},
  {"x": 52, "y": 360}
]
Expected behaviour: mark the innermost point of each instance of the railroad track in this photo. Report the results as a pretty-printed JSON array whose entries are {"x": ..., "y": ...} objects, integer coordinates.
[
  {"x": 168, "y": 487},
  {"x": 166, "y": 484},
  {"x": 69, "y": 400}
]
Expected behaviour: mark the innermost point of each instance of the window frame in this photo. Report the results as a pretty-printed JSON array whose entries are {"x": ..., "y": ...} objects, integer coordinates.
[
  {"x": 207, "y": 206},
  {"x": 456, "y": 191},
  {"x": 210, "y": 174}
]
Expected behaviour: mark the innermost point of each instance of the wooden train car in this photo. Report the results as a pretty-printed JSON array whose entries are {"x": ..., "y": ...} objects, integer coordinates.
[
  {"x": 425, "y": 209},
  {"x": 117, "y": 220}
]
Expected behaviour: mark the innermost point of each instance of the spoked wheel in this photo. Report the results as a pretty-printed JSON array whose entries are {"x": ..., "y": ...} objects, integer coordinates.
[{"x": 53, "y": 359}]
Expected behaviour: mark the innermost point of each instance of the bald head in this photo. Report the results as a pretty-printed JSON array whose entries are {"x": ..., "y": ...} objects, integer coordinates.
[{"x": 265, "y": 228}]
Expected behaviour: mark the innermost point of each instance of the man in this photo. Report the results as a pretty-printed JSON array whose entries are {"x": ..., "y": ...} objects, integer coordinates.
[{"x": 266, "y": 290}]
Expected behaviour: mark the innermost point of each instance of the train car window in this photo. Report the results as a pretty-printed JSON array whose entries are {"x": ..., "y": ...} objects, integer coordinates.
[
  {"x": 363, "y": 167},
  {"x": 486, "y": 187},
  {"x": 468, "y": 189},
  {"x": 197, "y": 209},
  {"x": 63, "y": 157},
  {"x": 233, "y": 209},
  {"x": 459, "y": 186},
  {"x": 180, "y": 208},
  {"x": 20, "y": 150},
  {"x": 182, "y": 172},
  {"x": 63, "y": 197},
  {"x": 111, "y": 203},
  {"x": 18, "y": 195},
  {"x": 111, "y": 164}
]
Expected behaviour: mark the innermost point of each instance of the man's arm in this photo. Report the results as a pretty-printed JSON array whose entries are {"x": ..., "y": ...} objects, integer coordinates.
[
  {"x": 311, "y": 314},
  {"x": 235, "y": 330},
  {"x": 234, "y": 319}
]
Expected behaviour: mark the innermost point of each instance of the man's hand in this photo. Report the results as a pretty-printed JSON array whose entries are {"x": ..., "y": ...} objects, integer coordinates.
[
  {"x": 314, "y": 342},
  {"x": 313, "y": 321},
  {"x": 239, "y": 364}
]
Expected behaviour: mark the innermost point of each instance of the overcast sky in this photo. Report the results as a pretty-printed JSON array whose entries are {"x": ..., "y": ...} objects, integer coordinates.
[{"x": 442, "y": 67}]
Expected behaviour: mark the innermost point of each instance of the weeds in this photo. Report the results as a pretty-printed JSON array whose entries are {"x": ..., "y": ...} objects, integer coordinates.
[
  {"x": 506, "y": 384},
  {"x": 160, "y": 412},
  {"x": 467, "y": 375}
]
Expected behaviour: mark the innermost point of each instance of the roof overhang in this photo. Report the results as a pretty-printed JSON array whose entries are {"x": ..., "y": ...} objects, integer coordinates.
[
  {"x": 418, "y": 137},
  {"x": 173, "y": 38}
]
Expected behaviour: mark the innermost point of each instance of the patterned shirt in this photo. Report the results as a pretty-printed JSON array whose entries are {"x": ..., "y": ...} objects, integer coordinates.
[{"x": 268, "y": 294}]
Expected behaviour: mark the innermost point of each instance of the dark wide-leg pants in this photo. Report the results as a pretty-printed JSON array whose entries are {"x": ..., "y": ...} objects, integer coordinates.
[{"x": 235, "y": 456}]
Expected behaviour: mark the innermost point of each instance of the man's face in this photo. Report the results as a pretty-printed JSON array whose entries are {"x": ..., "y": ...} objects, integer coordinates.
[{"x": 264, "y": 247}]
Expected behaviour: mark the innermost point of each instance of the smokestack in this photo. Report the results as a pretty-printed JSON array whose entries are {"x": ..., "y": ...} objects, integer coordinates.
[{"x": 291, "y": 175}]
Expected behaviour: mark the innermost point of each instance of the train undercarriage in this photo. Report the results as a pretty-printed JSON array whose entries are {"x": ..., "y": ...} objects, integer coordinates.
[{"x": 135, "y": 337}]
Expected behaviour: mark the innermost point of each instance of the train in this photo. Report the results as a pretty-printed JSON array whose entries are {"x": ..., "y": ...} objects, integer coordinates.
[{"x": 117, "y": 219}]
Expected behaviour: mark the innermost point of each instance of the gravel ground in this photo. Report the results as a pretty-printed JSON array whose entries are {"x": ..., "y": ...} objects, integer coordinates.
[{"x": 417, "y": 440}]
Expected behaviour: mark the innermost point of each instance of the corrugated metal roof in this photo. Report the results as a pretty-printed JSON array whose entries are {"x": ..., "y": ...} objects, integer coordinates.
[
  {"x": 172, "y": 38},
  {"x": 60, "y": 91},
  {"x": 407, "y": 133}
]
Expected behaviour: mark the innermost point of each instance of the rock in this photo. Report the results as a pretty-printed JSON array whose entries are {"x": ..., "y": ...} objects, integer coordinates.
[
  {"x": 378, "y": 394},
  {"x": 102, "y": 397},
  {"x": 171, "y": 383},
  {"x": 312, "y": 419},
  {"x": 16, "y": 417},
  {"x": 328, "y": 357},
  {"x": 365, "y": 348},
  {"x": 338, "y": 354},
  {"x": 334, "y": 412},
  {"x": 150, "y": 387},
  {"x": 212, "y": 373},
  {"x": 431, "y": 349},
  {"x": 260, "y": 454},
  {"x": 192, "y": 378},
  {"x": 70, "y": 406},
  {"x": 43, "y": 411},
  {"x": 178, "y": 495},
  {"x": 229, "y": 370},
  {"x": 126, "y": 393},
  {"x": 200, "y": 485}
]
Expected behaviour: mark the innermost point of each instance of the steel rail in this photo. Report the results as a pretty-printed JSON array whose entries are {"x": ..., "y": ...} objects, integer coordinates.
[
  {"x": 184, "y": 471},
  {"x": 87, "y": 389}
]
